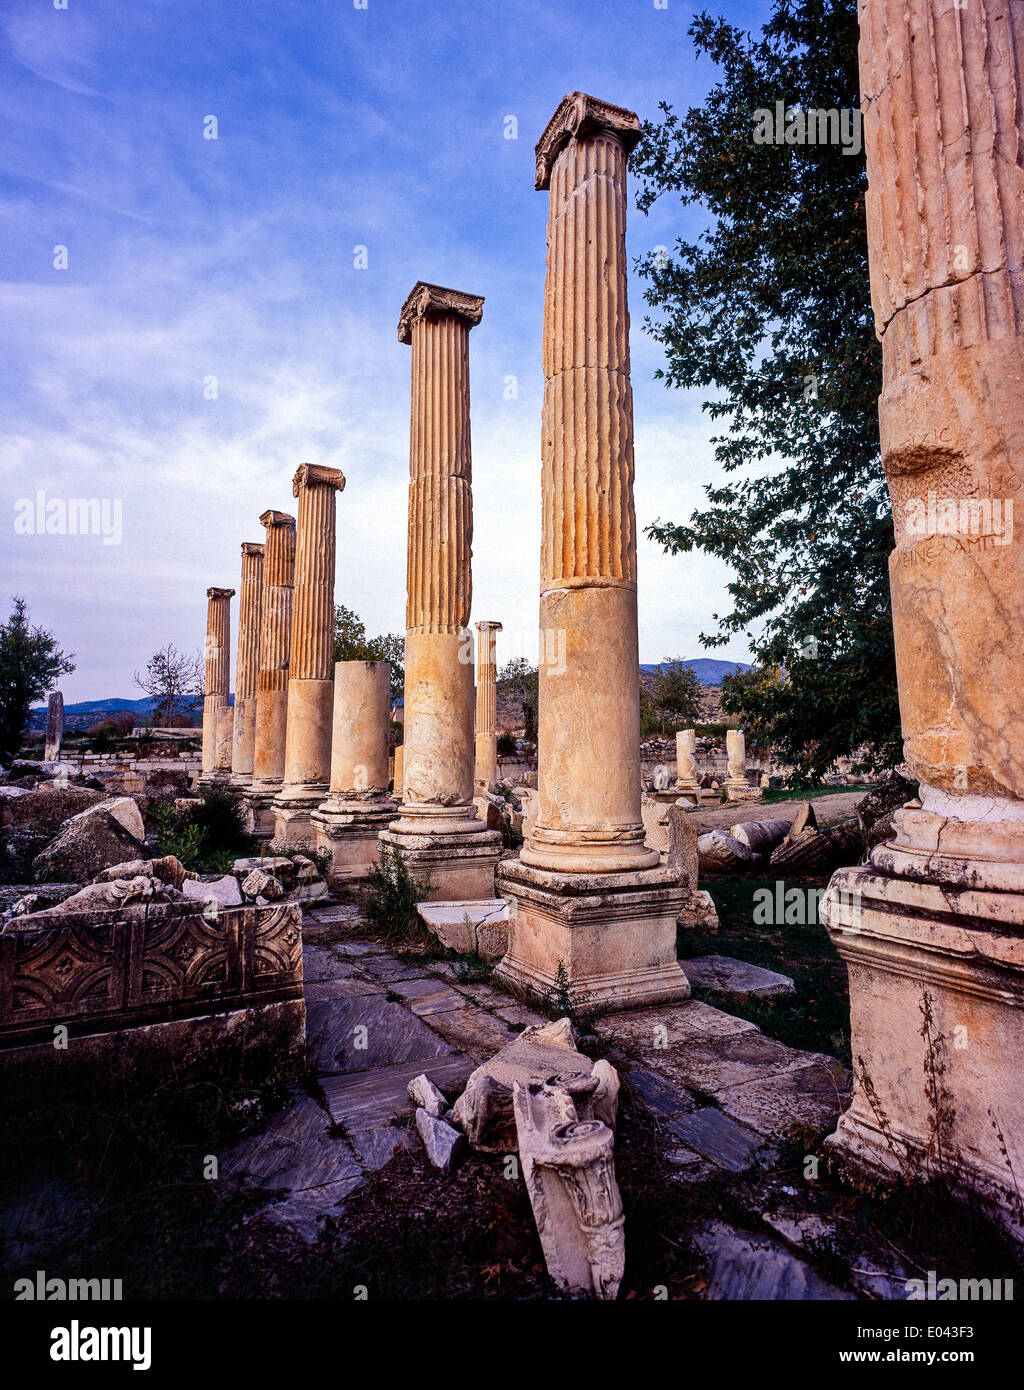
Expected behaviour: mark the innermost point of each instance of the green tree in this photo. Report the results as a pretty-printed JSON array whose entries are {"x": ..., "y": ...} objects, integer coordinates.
[
  {"x": 676, "y": 693},
  {"x": 352, "y": 644},
  {"x": 174, "y": 682},
  {"x": 768, "y": 311},
  {"x": 519, "y": 680},
  {"x": 31, "y": 663}
]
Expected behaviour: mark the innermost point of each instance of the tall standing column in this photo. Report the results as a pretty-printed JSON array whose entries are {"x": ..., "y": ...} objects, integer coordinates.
[
  {"x": 247, "y": 663},
  {"x": 587, "y": 890},
  {"x": 486, "y": 705},
  {"x": 931, "y": 927},
  {"x": 358, "y": 806},
  {"x": 438, "y": 831},
  {"x": 272, "y": 675},
  {"x": 307, "y": 758},
  {"x": 216, "y": 709}
]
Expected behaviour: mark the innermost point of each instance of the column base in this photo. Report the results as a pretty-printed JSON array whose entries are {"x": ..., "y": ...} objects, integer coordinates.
[
  {"x": 293, "y": 811},
  {"x": 220, "y": 777},
  {"x": 614, "y": 933},
  {"x": 258, "y": 803},
  {"x": 954, "y": 946},
  {"x": 742, "y": 791},
  {"x": 457, "y": 866},
  {"x": 348, "y": 831}
]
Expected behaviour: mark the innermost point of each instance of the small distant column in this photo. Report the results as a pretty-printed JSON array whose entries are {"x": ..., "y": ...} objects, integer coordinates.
[
  {"x": 358, "y": 806},
  {"x": 54, "y": 726},
  {"x": 307, "y": 758},
  {"x": 686, "y": 764},
  {"x": 486, "y": 705},
  {"x": 247, "y": 663},
  {"x": 737, "y": 788},
  {"x": 216, "y": 709},
  {"x": 438, "y": 832},
  {"x": 272, "y": 675}
]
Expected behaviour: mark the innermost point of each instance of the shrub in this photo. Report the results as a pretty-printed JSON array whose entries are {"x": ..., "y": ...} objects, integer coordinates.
[{"x": 390, "y": 897}]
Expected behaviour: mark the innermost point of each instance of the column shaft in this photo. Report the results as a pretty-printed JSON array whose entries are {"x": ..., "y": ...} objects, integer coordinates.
[
  {"x": 486, "y": 705},
  {"x": 274, "y": 649},
  {"x": 247, "y": 662},
  {"x": 217, "y": 757}
]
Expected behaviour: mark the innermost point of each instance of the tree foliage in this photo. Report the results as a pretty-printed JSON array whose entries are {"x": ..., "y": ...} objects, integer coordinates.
[
  {"x": 519, "y": 680},
  {"x": 31, "y": 663},
  {"x": 767, "y": 311},
  {"x": 174, "y": 681},
  {"x": 352, "y": 644}
]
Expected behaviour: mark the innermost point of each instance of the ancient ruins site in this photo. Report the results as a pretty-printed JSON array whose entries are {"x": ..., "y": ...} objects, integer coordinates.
[{"x": 494, "y": 954}]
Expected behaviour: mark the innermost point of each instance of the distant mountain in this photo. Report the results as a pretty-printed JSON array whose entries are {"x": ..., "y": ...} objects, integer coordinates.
[
  {"x": 708, "y": 672},
  {"x": 112, "y": 706}
]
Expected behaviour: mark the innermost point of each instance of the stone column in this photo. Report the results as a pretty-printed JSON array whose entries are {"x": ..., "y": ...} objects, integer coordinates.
[
  {"x": 438, "y": 831},
  {"x": 587, "y": 890},
  {"x": 686, "y": 764},
  {"x": 737, "y": 788},
  {"x": 54, "y": 726},
  {"x": 272, "y": 676},
  {"x": 247, "y": 664},
  {"x": 358, "y": 806},
  {"x": 486, "y": 706},
  {"x": 399, "y": 772},
  {"x": 933, "y": 922},
  {"x": 216, "y": 709},
  {"x": 307, "y": 757}
]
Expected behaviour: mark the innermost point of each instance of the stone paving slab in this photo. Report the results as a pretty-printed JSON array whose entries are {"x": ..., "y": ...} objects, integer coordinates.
[
  {"x": 323, "y": 963},
  {"x": 365, "y": 1033},
  {"x": 657, "y": 1096},
  {"x": 389, "y": 969},
  {"x": 746, "y": 1267},
  {"x": 304, "y": 1212},
  {"x": 473, "y": 1031},
  {"x": 726, "y": 975},
  {"x": 295, "y": 1151},
  {"x": 716, "y": 1137},
  {"x": 316, "y": 991},
  {"x": 378, "y": 1146},
  {"x": 812, "y": 1095},
  {"x": 428, "y": 996},
  {"x": 366, "y": 1100}
]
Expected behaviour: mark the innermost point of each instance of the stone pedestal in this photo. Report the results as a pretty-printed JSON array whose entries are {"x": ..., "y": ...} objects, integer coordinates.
[
  {"x": 307, "y": 757},
  {"x": 933, "y": 924},
  {"x": 272, "y": 679},
  {"x": 247, "y": 664},
  {"x": 486, "y": 770},
  {"x": 737, "y": 788},
  {"x": 437, "y": 831},
  {"x": 217, "y": 713},
  {"x": 586, "y": 891},
  {"x": 358, "y": 807}
]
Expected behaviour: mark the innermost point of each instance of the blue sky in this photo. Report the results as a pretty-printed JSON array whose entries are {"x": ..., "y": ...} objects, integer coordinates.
[{"x": 190, "y": 258}]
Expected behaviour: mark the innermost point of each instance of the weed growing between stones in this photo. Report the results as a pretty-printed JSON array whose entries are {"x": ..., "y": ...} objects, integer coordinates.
[{"x": 389, "y": 900}]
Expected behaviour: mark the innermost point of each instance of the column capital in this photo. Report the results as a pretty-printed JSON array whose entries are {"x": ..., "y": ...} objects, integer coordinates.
[
  {"x": 488, "y": 626},
  {"x": 220, "y": 593},
  {"x": 272, "y": 518},
  {"x": 426, "y": 301},
  {"x": 577, "y": 115},
  {"x": 252, "y": 547},
  {"x": 313, "y": 475}
]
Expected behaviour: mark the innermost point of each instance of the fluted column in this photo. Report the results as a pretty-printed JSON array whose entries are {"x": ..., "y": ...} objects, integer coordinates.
[
  {"x": 247, "y": 663},
  {"x": 588, "y": 749},
  {"x": 275, "y": 644},
  {"x": 942, "y": 97},
  {"x": 590, "y": 902},
  {"x": 438, "y": 831},
  {"x": 307, "y": 760},
  {"x": 216, "y": 709},
  {"x": 438, "y": 762},
  {"x": 486, "y": 705}
]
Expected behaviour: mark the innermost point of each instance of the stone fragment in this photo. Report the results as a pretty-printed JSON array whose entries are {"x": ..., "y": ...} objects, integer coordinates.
[
  {"x": 54, "y": 726},
  {"x": 682, "y": 842},
  {"x": 745, "y": 1267},
  {"x": 569, "y": 1170},
  {"x": 471, "y": 928},
  {"x": 44, "y": 810},
  {"x": 720, "y": 852},
  {"x": 257, "y": 884},
  {"x": 85, "y": 845},
  {"x": 424, "y": 1093},
  {"x": 445, "y": 1146},
  {"x": 222, "y": 891},
  {"x": 805, "y": 819},
  {"x": 725, "y": 975},
  {"x": 539, "y": 1054},
  {"x": 168, "y": 870}
]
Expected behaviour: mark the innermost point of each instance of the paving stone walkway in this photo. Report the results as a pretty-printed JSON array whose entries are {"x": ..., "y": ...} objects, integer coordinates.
[{"x": 721, "y": 1090}]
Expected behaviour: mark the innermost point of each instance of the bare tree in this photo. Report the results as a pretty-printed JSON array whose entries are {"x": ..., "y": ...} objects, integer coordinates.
[{"x": 172, "y": 680}]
